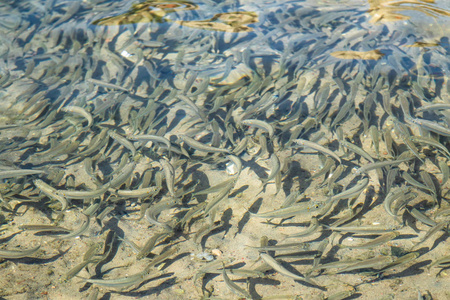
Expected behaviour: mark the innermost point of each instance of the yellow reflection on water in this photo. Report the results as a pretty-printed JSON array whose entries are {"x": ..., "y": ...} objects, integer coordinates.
[
  {"x": 229, "y": 22},
  {"x": 365, "y": 55},
  {"x": 389, "y": 10},
  {"x": 156, "y": 11},
  {"x": 423, "y": 44},
  {"x": 148, "y": 11}
]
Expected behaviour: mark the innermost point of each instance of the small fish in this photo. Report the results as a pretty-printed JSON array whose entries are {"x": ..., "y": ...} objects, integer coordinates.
[
  {"x": 315, "y": 146},
  {"x": 290, "y": 211},
  {"x": 107, "y": 85},
  {"x": 375, "y": 242},
  {"x": 420, "y": 216},
  {"x": 433, "y": 230},
  {"x": 138, "y": 193},
  {"x": 234, "y": 287},
  {"x": 123, "y": 141},
  {"x": 281, "y": 247},
  {"x": 313, "y": 227},
  {"x": 380, "y": 164},
  {"x": 398, "y": 262},
  {"x": 150, "y": 244},
  {"x": 352, "y": 192},
  {"x": 52, "y": 193},
  {"x": 152, "y": 138},
  {"x": 261, "y": 125},
  {"x": 80, "y": 111},
  {"x": 18, "y": 173},
  {"x": 122, "y": 282},
  {"x": 169, "y": 173},
  {"x": 357, "y": 150},
  {"x": 392, "y": 197},
  {"x": 15, "y": 254},
  {"x": 282, "y": 270},
  {"x": 202, "y": 147},
  {"x": 443, "y": 166},
  {"x": 443, "y": 261},
  {"x": 215, "y": 188},
  {"x": 223, "y": 194},
  {"x": 275, "y": 168},
  {"x": 362, "y": 229},
  {"x": 83, "y": 194},
  {"x": 77, "y": 232},
  {"x": 430, "y": 126},
  {"x": 194, "y": 106},
  {"x": 365, "y": 264}
]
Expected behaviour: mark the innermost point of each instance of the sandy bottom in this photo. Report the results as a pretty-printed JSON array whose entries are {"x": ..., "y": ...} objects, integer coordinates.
[{"x": 237, "y": 232}]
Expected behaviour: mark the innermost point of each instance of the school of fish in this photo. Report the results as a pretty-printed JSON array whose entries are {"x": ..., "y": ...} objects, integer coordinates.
[{"x": 224, "y": 146}]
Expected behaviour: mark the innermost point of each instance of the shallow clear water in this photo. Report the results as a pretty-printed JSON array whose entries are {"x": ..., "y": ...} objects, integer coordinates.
[{"x": 101, "y": 101}]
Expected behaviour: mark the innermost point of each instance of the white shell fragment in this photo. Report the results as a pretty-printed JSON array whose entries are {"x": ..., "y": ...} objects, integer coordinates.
[
  {"x": 216, "y": 252},
  {"x": 126, "y": 54},
  {"x": 231, "y": 168},
  {"x": 205, "y": 256}
]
